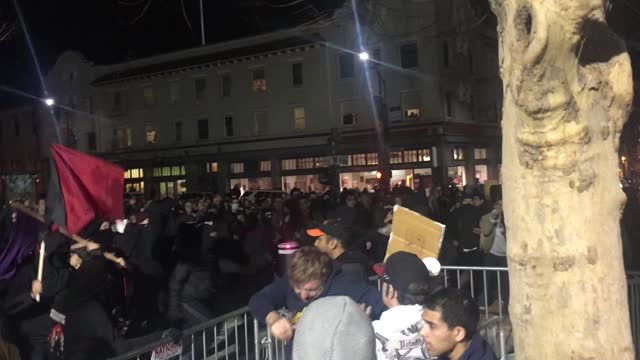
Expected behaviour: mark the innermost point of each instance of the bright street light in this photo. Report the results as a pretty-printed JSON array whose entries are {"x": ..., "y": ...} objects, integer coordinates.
[
  {"x": 364, "y": 56},
  {"x": 49, "y": 101}
]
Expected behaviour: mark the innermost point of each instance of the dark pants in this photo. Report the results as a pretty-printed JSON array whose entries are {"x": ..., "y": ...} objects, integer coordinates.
[{"x": 491, "y": 260}]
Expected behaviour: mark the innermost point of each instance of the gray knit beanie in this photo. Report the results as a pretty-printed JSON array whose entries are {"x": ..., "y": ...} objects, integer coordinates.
[{"x": 334, "y": 328}]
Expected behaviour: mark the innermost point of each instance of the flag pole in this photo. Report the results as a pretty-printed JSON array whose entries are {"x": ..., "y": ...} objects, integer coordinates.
[{"x": 63, "y": 230}]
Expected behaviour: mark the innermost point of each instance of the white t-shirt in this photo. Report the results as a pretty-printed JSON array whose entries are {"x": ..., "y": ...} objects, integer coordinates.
[{"x": 398, "y": 333}]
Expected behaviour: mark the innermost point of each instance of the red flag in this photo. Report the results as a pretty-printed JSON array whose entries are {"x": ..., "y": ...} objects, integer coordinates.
[{"x": 89, "y": 188}]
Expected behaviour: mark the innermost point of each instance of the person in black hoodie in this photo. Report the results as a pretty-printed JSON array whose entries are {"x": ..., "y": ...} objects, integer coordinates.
[
  {"x": 81, "y": 327},
  {"x": 450, "y": 320},
  {"x": 30, "y": 319}
]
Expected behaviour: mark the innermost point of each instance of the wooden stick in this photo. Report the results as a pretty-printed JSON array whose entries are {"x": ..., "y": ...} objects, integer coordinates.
[
  {"x": 63, "y": 230},
  {"x": 40, "y": 266}
]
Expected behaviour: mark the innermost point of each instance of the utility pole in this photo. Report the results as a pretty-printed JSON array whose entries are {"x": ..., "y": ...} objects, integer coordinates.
[{"x": 202, "y": 24}]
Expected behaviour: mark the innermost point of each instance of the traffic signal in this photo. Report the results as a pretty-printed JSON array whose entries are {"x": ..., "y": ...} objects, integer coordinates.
[{"x": 378, "y": 175}]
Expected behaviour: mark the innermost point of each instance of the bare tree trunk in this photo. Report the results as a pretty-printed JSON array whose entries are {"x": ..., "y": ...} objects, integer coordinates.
[{"x": 567, "y": 93}]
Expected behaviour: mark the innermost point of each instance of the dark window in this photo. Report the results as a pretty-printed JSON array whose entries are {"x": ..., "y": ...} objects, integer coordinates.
[
  {"x": 179, "y": 131},
  {"x": 448, "y": 104},
  {"x": 91, "y": 141},
  {"x": 296, "y": 74},
  {"x": 16, "y": 125},
  {"x": 409, "y": 55},
  {"x": 203, "y": 129},
  {"x": 228, "y": 126},
  {"x": 349, "y": 119},
  {"x": 347, "y": 62},
  {"x": 445, "y": 54},
  {"x": 201, "y": 89},
  {"x": 117, "y": 100},
  {"x": 377, "y": 54},
  {"x": 226, "y": 85}
]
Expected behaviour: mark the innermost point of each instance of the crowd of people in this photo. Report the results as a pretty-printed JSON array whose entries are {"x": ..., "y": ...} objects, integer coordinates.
[{"x": 174, "y": 262}]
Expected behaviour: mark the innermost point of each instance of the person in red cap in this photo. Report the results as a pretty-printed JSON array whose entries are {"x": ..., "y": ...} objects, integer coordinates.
[
  {"x": 336, "y": 240},
  {"x": 407, "y": 283}
]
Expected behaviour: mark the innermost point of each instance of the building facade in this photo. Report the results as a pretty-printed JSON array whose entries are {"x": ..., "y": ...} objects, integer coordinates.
[{"x": 289, "y": 108}]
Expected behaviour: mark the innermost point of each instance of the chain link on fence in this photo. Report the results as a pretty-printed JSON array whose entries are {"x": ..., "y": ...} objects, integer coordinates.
[{"x": 237, "y": 335}]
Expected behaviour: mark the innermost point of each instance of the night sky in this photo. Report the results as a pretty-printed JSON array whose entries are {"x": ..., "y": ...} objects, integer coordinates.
[{"x": 106, "y": 31}]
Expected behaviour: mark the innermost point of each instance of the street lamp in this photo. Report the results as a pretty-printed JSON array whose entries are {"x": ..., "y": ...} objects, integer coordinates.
[
  {"x": 364, "y": 56},
  {"x": 49, "y": 101}
]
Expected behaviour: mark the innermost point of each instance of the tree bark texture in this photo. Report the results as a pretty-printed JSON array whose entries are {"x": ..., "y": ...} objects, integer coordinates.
[{"x": 567, "y": 93}]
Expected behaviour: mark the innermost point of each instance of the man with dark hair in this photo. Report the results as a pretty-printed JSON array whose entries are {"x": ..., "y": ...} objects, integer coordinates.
[
  {"x": 310, "y": 276},
  {"x": 449, "y": 332},
  {"x": 406, "y": 284},
  {"x": 335, "y": 240}
]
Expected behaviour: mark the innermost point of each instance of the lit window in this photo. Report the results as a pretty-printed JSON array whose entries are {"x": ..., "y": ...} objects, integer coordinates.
[
  {"x": 166, "y": 171},
  {"x": 480, "y": 153},
  {"x": 265, "y": 165},
  {"x": 412, "y": 114},
  {"x": 127, "y": 174},
  {"x": 289, "y": 164},
  {"x": 424, "y": 155},
  {"x": 299, "y": 118},
  {"x": 411, "y": 156},
  {"x": 372, "y": 159},
  {"x": 458, "y": 153},
  {"x": 357, "y": 160},
  {"x": 259, "y": 83},
  {"x": 150, "y": 135},
  {"x": 237, "y": 168},
  {"x": 212, "y": 167},
  {"x": 395, "y": 157}
]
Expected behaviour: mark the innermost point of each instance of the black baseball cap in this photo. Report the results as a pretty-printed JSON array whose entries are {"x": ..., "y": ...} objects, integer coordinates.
[
  {"x": 333, "y": 228},
  {"x": 401, "y": 269}
]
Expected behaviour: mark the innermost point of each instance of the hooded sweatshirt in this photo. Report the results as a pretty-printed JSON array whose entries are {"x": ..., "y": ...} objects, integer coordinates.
[
  {"x": 334, "y": 328},
  {"x": 398, "y": 333}
]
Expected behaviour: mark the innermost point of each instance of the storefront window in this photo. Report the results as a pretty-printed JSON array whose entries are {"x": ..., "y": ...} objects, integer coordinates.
[
  {"x": 303, "y": 182},
  {"x": 457, "y": 174},
  {"x": 245, "y": 184},
  {"x": 481, "y": 173},
  {"x": 358, "y": 180}
]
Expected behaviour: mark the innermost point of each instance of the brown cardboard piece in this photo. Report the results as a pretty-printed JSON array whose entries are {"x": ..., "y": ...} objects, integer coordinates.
[{"x": 415, "y": 233}]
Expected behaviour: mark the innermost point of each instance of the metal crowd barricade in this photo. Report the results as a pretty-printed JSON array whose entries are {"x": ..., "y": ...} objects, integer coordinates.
[
  {"x": 237, "y": 335},
  {"x": 233, "y": 336},
  {"x": 494, "y": 322}
]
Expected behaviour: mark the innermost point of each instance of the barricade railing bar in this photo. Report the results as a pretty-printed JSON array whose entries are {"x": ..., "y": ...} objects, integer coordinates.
[{"x": 237, "y": 335}]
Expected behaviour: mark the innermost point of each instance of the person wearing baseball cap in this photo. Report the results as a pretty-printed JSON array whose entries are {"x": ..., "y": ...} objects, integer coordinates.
[
  {"x": 407, "y": 282},
  {"x": 336, "y": 240}
]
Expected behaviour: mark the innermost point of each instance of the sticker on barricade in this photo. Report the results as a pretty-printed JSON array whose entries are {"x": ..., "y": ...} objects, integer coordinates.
[{"x": 166, "y": 351}]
